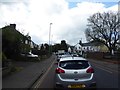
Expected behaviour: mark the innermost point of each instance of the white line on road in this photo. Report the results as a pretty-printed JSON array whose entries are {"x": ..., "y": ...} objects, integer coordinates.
[
  {"x": 106, "y": 64},
  {"x": 98, "y": 66},
  {"x": 105, "y": 68},
  {"x": 43, "y": 77}
]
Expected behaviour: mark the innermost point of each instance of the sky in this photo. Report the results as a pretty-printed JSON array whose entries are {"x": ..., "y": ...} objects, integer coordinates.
[{"x": 68, "y": 18}]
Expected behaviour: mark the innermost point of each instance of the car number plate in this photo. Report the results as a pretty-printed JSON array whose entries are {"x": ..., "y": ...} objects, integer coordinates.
[{"x": 76, "y": 86}]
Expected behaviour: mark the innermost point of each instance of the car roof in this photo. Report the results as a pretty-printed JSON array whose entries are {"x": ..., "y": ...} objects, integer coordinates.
[{"x": 73, "y": 58}]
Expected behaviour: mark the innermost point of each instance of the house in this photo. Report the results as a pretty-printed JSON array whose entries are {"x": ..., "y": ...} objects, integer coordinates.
[
  {"x": 93, "y": 47},
  {"x": 77, "y": 49},
  {"x": 25, "y": 44}
]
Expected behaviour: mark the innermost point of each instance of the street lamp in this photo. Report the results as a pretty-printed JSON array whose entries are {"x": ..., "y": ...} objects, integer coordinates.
[
  {"x": 49, "y": 37},
  {"x": 119, "y": 10}
]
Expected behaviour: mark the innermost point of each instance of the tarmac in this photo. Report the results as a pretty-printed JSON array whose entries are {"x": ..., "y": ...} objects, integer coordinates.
[{"x": 28, "y": 76}]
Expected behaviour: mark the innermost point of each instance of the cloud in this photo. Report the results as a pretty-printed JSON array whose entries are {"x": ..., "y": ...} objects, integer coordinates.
[
  {"x": 113, "y": 8},
  {"x": 93, "y": 0},
  {"x": 35, "y": 16}
]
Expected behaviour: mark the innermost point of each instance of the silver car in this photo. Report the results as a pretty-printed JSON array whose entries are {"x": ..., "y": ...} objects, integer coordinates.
[
  {"x": 74, "y": 72},
  {"x": 63, "y": 56}
]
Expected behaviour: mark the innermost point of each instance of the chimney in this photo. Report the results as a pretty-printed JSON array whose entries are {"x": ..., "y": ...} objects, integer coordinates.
[{"x": 13, "y": 26}]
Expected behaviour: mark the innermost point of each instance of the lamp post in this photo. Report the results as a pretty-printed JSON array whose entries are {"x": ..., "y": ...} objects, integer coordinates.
[
  {"x": 119, "y": 10},
  {"x": 49, "y": 38}
]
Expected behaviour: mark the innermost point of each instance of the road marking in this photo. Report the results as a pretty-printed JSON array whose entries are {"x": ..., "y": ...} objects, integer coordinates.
[
  {"x": 110, "y": 69},
  {"x": 102, "y": 68},
  {"x": 43, "y": 77},
  {"x": 106, "y": 68}
]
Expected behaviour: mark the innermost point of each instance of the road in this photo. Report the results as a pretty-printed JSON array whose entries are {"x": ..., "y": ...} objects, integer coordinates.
[{"x": 106, "y": 75}]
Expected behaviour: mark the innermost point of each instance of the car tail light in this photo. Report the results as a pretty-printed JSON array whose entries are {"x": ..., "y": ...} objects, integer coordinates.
[
  {"x": 58, "y": 71},
  {"x": 90, "y": 70}
]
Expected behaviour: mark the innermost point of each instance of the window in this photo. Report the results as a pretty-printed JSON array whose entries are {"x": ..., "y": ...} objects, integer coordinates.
[{"x": 75, "y": 64}]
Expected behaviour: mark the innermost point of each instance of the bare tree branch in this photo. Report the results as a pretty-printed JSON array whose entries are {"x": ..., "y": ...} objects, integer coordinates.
[{"x": 104, "y": 27}]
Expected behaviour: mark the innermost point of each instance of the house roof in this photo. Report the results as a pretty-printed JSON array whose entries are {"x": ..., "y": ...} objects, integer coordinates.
[
  {"x": 92, "y": 43},
  {"x": 12, "y": 29}
]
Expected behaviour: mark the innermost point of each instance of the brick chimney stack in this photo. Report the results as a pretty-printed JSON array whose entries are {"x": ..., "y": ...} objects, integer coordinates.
[{"x": 13, "y": 26}]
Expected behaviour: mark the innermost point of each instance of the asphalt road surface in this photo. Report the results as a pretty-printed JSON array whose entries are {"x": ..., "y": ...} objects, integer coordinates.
[{"x": 106, "y": 75}]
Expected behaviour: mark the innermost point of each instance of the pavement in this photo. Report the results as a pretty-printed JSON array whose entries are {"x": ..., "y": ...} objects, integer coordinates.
[{"x": 27, "y": 77}]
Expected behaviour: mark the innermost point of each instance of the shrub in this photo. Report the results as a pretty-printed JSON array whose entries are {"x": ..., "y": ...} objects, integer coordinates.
[
  {"x": 119, "y": 50},
  {"x": 3, "y": 56}
]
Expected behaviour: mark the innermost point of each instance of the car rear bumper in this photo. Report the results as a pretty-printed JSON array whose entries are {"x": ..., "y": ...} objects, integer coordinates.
[{"x": 64, "y": 84}]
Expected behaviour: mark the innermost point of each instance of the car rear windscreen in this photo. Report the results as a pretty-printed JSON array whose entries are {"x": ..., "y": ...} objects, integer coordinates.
[{"x": 75, "y": 64}]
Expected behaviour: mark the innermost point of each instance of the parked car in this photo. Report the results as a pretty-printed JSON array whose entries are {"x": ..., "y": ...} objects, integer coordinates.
[
  {"x": 74, "y": 72},
  {"x": 32, "y": 55},
  {"x": 29, "y": 55}
]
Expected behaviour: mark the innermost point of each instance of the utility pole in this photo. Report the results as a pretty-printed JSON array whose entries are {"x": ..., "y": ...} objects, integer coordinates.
[
  {"x": 119, "y": 10},
  {"x": 49, "y": 38}
]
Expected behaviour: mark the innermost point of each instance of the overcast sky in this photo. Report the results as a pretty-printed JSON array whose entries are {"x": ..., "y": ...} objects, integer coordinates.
[{"x": 68, "y": 17}]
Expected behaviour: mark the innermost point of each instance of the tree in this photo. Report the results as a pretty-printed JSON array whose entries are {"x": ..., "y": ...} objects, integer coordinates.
[
  {"x": 64, "y": 45},
  {"x": 42, "y": 50},
  {"x": 42, "y": 47},
  {"x": 46, "y": 48},
  {"x": 56, "y": 47},
  {"x": 104, "y": 28}
]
